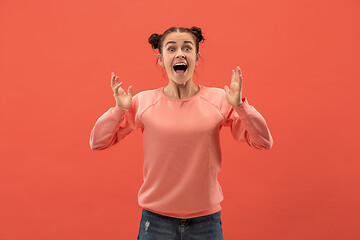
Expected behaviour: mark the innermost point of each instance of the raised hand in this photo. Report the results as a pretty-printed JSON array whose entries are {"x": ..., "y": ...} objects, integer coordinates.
[
  {"x": 122, "y": 99},
  {"x": 233, "y": 94}
]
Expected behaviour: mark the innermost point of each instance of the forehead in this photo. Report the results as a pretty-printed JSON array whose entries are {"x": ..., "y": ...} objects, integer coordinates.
[{"x": 179, "y": 37}]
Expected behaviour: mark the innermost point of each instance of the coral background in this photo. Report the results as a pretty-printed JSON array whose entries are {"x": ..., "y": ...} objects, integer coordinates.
[{"x": 300, "y": 64}]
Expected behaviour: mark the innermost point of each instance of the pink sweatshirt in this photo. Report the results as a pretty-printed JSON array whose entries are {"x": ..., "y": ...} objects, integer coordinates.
[{"x": 181, "y": 145}]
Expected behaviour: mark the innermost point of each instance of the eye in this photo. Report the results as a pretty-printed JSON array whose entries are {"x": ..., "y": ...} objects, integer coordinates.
[
  {"x": 170, "y": 49},
  {"x": 188, "y": 48}
]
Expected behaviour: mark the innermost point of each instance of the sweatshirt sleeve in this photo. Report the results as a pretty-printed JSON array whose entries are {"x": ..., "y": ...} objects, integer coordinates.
[
  {"x": 113, "y": 126},
  {"x": 248, "y": 125}
]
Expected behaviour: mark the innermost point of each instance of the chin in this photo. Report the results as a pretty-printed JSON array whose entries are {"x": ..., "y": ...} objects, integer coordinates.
[{"x": 183, "y": 83}]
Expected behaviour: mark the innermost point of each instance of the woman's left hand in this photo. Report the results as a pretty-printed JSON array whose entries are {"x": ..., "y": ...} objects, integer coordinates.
[{"x": 233, "y": 94}]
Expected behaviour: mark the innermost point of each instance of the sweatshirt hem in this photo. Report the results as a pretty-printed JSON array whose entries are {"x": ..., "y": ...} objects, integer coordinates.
[{"x": 190, "y": 215}]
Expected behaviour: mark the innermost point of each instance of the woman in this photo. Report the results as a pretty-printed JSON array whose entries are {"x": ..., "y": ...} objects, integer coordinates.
[{"x": 180, "y": 122}]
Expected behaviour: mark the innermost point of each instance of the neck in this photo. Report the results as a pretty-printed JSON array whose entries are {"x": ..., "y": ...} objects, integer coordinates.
[{"x": 181, "y": 91}]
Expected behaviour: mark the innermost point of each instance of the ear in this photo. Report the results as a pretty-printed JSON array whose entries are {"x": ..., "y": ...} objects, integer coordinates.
[
  {"x": 160, "y": 60},
  {"x": 197, "y": 58}
]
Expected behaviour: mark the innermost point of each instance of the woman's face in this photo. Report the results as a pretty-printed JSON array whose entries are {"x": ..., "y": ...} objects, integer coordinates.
[{"x": 179, "y": 47}]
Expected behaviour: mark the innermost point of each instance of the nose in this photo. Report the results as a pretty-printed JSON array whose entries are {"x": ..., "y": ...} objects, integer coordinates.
[{"x": 180, "y": 54}]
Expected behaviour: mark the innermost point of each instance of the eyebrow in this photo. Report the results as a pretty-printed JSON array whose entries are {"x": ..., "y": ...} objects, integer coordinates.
[{"x": 175, "y": 42}]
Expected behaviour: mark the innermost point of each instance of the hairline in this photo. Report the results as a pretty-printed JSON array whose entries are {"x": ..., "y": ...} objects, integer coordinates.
[{"x": 175, "y": 42}]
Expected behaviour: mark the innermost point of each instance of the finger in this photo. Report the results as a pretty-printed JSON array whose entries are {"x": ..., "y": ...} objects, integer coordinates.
[
  {"x": 237, "y": 75},
  {"x": 112, "y": 80},
  {"x": 130, "y": 91},
  {"x": 116, "y": 89},
  {"x": 233, "y": 76},
  {"x": 227, "y": 90},
  {"x": 240, "y": 75},
  {"x": 239, "y": 69},
  {"x": 116, "y": 80}
]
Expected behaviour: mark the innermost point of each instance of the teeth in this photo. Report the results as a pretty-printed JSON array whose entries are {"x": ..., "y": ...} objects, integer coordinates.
[{"x": 180, "y": 64}]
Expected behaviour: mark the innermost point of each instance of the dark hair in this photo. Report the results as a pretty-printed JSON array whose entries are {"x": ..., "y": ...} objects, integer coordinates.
[{"x": 156, "y": 40}]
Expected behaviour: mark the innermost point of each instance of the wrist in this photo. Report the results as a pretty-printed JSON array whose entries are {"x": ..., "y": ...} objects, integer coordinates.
[{"x": 238, "y": 105}]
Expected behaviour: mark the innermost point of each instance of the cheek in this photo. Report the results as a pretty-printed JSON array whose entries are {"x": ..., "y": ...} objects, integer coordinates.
[{"x": 167, "y": 61}]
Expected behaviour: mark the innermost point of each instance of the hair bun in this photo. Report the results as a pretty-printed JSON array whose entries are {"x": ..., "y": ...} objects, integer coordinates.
[
  {"x": 154, "y": 40},
  {"x": 197, "y": 32}
]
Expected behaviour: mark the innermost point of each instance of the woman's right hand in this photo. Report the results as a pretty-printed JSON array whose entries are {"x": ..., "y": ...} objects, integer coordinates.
[{"x": 122, "y": 99}]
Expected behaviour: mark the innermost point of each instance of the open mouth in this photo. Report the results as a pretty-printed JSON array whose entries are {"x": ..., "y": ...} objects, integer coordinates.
[{"x": 180, "y": 68}]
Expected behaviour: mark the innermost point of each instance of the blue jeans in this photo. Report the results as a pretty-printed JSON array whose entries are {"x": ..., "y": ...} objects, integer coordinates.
[{"x": 155, "y": 226}]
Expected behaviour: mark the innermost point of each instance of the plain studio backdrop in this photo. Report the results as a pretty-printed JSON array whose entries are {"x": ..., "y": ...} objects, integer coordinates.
[{"x": 300, "y": 64}]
